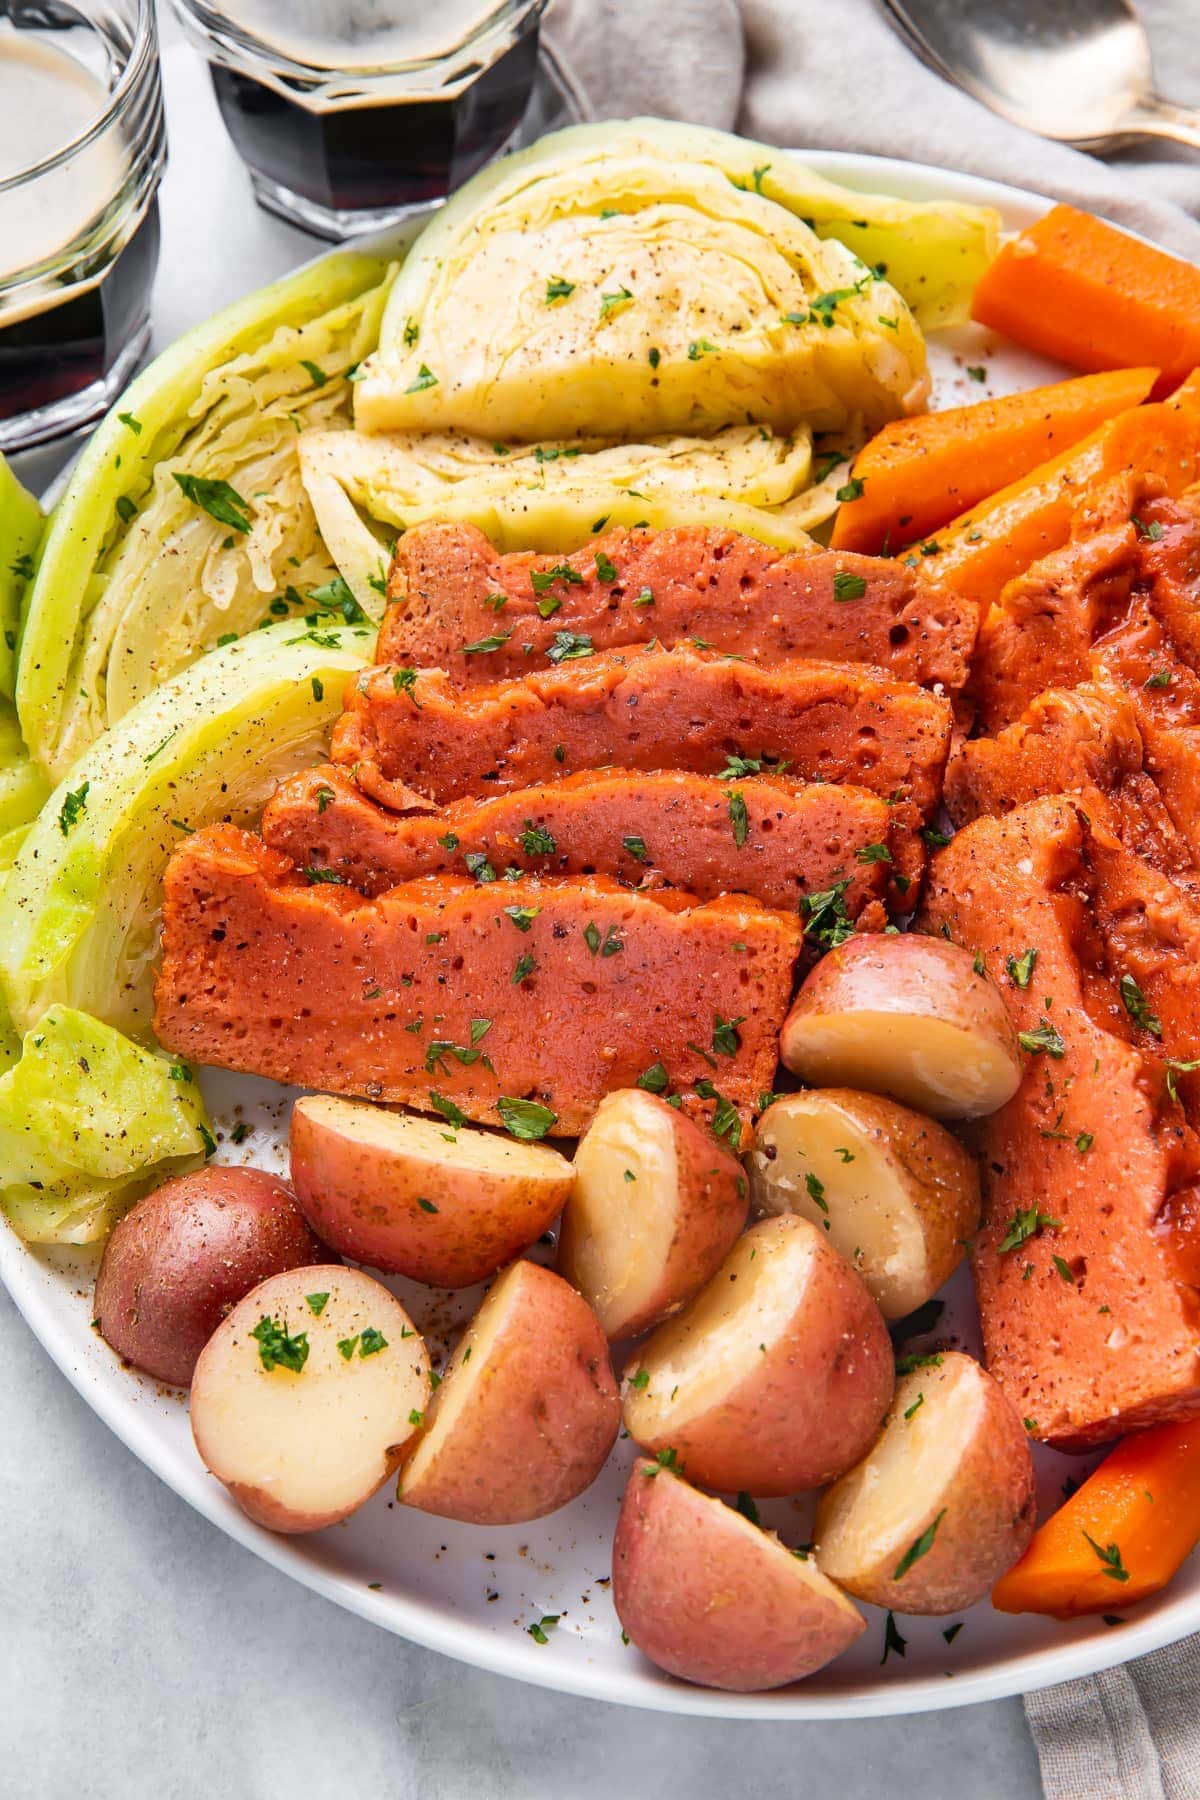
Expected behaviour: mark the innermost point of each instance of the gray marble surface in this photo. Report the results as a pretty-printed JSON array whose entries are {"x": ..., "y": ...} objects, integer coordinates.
[{"x": 143, "y": 1656}]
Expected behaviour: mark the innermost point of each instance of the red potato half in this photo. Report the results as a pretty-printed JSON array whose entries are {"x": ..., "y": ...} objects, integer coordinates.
[
  {"x": 301, "y": 1448},
  {"x": 942, "y": 1505},
  {"x": 444, "y": 1205},
  {"x": 656, "y": 1206},
  {"x": 907, "y": 1016},
  {"x": 185, "y": 1254},
  {"x": 526, "y": 1413},
  {"x": 897, "y": 1196},
  {"x": 775, "y": 1378},
  {"x": 714, "y": 1599}
]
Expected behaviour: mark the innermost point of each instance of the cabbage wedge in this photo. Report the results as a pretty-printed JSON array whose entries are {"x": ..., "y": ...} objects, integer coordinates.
[
  {"x": 186, "y": 520},
  {"x": 79, "y": 914},
  {"x": 87, "y": 1121},
  {"x": 21, "y": 523},
  {"x": 611, "y": 284},
  {"x": 23, "y": 785},
  {"x": 556, "y": 496}
]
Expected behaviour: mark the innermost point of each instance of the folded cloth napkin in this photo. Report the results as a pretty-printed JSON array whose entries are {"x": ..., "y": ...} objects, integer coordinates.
[{"x": 810, "y": 73}]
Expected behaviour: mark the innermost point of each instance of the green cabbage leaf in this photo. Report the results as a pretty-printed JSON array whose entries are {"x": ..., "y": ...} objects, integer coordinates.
[
  {"x": 80, "y": 908},
  {"x": 87, "y": 1121},
  {"x": 186, "y": 521},
  {"x": 21, "y": 523}
]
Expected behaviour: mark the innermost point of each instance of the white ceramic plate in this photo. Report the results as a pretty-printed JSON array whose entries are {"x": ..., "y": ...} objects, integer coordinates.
[{"x": 472, "y": 1593}]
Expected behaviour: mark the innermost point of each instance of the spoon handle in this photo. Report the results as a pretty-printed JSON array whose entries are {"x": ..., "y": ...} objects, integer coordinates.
[{"x": 1158, "y": 118}]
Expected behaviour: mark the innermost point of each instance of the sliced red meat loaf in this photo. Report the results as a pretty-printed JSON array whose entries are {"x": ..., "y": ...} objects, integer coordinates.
[
  {"x": 650, "y": 709},
  {"x": 546, "y": 991},
  {"x": 453, "y": 593},
  {"x": 1088, "y": 1260},
  {"x": 689, "y": 830},
  {"x": 1070, "y": 741}
]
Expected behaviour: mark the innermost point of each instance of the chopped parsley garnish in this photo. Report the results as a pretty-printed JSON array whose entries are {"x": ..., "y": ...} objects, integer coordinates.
[
  {"x": 526, "y": 1119},
  {"x": 826, "y": 920},
  {"x": 952, "y": 1631},
  {"x": 447, "y": 1108},
  {"x": 130, "y": 423},
  {"x": 645, "y": 597},
  {"x": 424, "y": 378},
  {"x": 1064, "y": 1269},
  {"x": 851, "y": 490},
  {"x": 1020, "y": 968},
  {"x": 642, "y": 1378},
  {"x": 479, "y": 866},
  {"x": 636, "y": 847},
  {"x": 277, "y": 1348},
  {"x": 918, "y": 1359},
  {"x": 918, "y": 1548},
  {"x": 937, "y": 840},
  {"x": 371, "y": 1341},
  {"x": 1136, "y": 1005},
  {"x": 316, "y": 1303},
  {"x": 847, "y": 586},
  {"x": 1153, "y": 530},
  {"x": 412, "y": 332},
  {"x": 611, "y": 944},
  {"x": 747, "y": 1508},
  {"x": 1110, "y": 1556},
  {"x": 892, "y": 1640},
  {"x": 726, "y": 1120},
  {"x": 1179, "y": 1068},
  {"x": 537, "y": 841},
  {"x": 726, "y": 1039},
  {"x": 485, "y": 645},
  {"x": 316, "y": 373},
  {"x": 522, "y": 916},
  {"x": 605, "y": 569},
  {"x": 1027, "y": 1222},
  {"x": 316, "y": 876},
  {"x": 404, "y": 681},
  {"x": 543, "y": 579},
  {"x": 668, "y": 1459},
  {"x": 873, "y": 853},
  {"x": 525, "y": 966},
  {"x": 654, "y": 1080},
  {"x": 546, "y": 1623},
  {"x": 1161, "y": 678},
  {"x": 816, "y": 1190},
  {"x": 335, "y": 596},
  {"x": 739, "y": 818},
  {"x": 700, "y": 347},
  {"x": 346, "y": 1346},
  {"x": 1046, "y": 1038},
  {"x": 568, "y": 645},
  {"x": 216, "y": 498},
  {"x": 610, "y": 303},
  {"x": 318, "y": 688},
  {"x": 558, "y": 289},
  {"x": 126, "y": 510},
  {"x": 449, "y": 840},
  {"x": 73, "y": 807}
]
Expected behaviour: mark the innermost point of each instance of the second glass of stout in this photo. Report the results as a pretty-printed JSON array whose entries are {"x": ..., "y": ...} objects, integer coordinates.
[
  {"x": 82, "y": 150},
  {"x": 355, "y": 114}
]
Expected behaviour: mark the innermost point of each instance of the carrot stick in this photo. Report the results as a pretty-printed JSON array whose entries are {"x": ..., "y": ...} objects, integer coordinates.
[
  {"x": 918, "y": 473},
  {"x": 1120, "y": 1536},
  {"x": 982, "y": 549},
  {"x": 1079, "y": 290}
]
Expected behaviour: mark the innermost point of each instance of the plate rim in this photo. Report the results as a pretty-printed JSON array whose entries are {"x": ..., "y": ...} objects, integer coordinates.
[{"x": 29, "y": 1280}]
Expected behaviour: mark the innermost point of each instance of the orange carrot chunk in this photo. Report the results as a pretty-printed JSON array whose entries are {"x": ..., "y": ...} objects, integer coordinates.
[
  {"x": 1077, "y": 289},
  {"x": 917, "y": 474},
  {"x": 982, "y": 549},
  {"x": 1120, "y": 1536}
]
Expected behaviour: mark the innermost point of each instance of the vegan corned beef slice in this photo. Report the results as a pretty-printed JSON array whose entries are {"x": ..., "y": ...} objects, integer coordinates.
[
  {"x": 451, "y": 589},
  {"x": 548, "y": 990},
  {"x": 770, "y": 837},
  {"x": 1085, "y": 1264}
]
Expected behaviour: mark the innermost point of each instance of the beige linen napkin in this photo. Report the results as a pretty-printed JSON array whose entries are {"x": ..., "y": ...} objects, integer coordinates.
[{"x": 832, "y": 74}]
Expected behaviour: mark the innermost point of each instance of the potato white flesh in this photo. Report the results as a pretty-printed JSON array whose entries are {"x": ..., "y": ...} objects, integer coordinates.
[
  {"x": 712, "y": 1598},
  {"x": 657, "y": 1204},
  {"x": 527, "y": 1411},
  {"x": 897, "y": 1196},
  {"x": 304, "y": 1398},
  {"x": 415, "y": 1197},
  {"x": 943, "y": 1503},
  {"x": 908, "y": 1016},
  {"x": 775, "y": 1378}
]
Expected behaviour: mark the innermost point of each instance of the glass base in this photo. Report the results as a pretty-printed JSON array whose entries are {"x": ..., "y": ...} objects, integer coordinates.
[
  {"x": 549, "y": 108},
  {"x": 58, "y": 419}
]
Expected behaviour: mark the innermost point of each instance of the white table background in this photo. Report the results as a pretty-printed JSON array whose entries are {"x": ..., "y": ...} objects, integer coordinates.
[{"x": 144, "y": 1656}]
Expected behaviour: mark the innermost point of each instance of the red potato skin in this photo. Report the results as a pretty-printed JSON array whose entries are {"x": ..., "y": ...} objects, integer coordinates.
[
  {"x": 709, "y": 1603},
  {"x": 184, "y": 1255},
  {"x": 719, "y": 1201},
  {"x": 813, "y": 1403},
  {"x": 367, "y": 1205},
  {"x": 728, "y": 590},
  {"x": 543, "y": 1416}
]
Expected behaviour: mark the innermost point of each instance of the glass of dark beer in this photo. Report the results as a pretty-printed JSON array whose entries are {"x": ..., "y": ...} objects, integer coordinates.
[
  {"x": 82, "y": 149},
  {"x": 354, "y": 114}
]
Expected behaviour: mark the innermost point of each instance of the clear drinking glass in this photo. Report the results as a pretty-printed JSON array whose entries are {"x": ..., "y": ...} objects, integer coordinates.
[
  {"x": 353, "y": 114},
  {"x": 82, "y": 149}
]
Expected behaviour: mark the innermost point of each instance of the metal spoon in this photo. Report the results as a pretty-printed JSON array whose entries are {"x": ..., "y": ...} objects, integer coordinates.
[{"x": 1075, "y": 70}]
